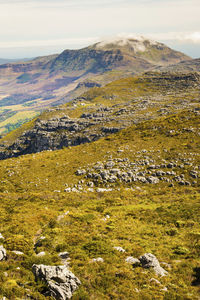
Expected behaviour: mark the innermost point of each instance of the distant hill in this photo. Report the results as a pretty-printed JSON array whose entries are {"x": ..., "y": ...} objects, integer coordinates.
[
  {"x": 192, "y": 65},
  {"x": 7, "y": 60},
  {"x": 31, "y": 86}
]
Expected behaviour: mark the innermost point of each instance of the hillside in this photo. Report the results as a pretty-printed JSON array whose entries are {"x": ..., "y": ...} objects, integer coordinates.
[
  {"x": 7, "y": 60},
  {"x": 107, "y": 203},
  {"x": 100, "y": 196},
  {"x": 192, "y": 65},
  {"x": 105, "y": 110},
  {"x": 56, "y": 79}
]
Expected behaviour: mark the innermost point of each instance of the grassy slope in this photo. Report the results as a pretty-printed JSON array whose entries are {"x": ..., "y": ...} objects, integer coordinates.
[{"x": 155, "y": 219}]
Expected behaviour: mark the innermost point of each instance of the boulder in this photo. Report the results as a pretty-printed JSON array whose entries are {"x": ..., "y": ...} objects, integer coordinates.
[
  {"x": 61, "y": 282},
  {"x": 148, "y": 260},
  {"x": 133, "y": 261},
  {"x": 41, "y": 254},
  {"x": 63, "y": 255},
  {"x": 2, "y": 253},
  {"x": 153, "y": 180}
]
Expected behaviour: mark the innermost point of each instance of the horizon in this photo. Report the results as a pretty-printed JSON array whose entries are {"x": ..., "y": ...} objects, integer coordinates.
[
  {"x": 34, "y": 28},
  {"x": 51, "y": 50}
]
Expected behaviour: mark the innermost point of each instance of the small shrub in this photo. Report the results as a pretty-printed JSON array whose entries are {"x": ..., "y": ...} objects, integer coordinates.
[
  {"x": 19, "y": 243},
  {"x": 180, "y": 250},
  {"x": 97, "y": 247}
]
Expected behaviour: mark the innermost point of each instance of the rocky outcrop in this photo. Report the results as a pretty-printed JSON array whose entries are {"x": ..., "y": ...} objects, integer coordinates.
[
  {"x": 148, "y": 260},
  {"x": 3, "y": 255},
  {"x": 61, "y": 283},
  {"x": 143, "y": 169},
  {"x": 57, "y": 133}
]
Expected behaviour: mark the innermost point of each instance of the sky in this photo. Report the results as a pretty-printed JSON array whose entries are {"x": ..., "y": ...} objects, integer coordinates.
[{"x": 30, "y": 28}]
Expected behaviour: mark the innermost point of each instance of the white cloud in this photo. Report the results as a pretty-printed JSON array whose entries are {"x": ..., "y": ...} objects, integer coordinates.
[
  {"x": 45, "y": 43},
  {"x": 182, "y": 37}
]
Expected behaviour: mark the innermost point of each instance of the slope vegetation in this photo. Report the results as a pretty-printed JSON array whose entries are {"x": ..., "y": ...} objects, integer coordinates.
[{"x": 137, "y": 189}]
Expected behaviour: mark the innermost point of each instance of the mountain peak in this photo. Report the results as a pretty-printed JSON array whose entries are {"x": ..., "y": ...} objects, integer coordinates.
[{"x": 137, "y": 43}]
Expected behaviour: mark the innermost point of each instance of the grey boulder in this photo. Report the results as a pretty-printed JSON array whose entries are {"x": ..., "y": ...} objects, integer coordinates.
[
  {"x": 61, "y": 282},
  {"x": 148, "y": 260},
  {"x": 133, "y": 261}
]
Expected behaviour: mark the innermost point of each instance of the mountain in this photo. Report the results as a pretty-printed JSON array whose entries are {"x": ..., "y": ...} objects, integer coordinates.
[
  {"x": 154, "y": 52},
  {"x": 116, "y": 203},
  {"x": 27, "y": 88}
]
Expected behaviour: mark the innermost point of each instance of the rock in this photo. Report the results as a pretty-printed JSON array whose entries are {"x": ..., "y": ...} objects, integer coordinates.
[
  {"x": 64, "y": 255},
  {"x": 120, "y": 249},
  {"x": 3, "y": 255},
  {"x": 170, "y": 165},
  {"x": 148, "y": 260},
  {"x": 17, "y": 252},
  {"x": 75, "y": 190},
  {"x": 110, "y": 129},
  {"x": 133, "y": 261},
  {"x": 107, "y": 217},
  {"x": 109, "y": 164},
  {"x": 80, "y": 172},
  {"x": 152, "y": 179},
  {"x": 39, "y": 242},
  {"x": 101, "y": 190},
  {"x": 154, "y": 280},
  {"x": 60, "y": 217},
  {"x": 194, "y": 174},
  {"x": 61, "y": 282},
  {"x": 40, "y": 254},
  {"x": 98, "y": 259}
]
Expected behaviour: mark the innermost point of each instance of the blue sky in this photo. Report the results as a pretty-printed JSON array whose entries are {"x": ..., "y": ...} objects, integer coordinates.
[{"x": 31, "y": 28}]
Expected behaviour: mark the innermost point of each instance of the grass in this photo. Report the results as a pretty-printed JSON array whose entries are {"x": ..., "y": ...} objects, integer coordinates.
[
  {"x": 149, "y": 218},
  {"x": 16, "y": 120},
  {"x": 144, "y": 218}
]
